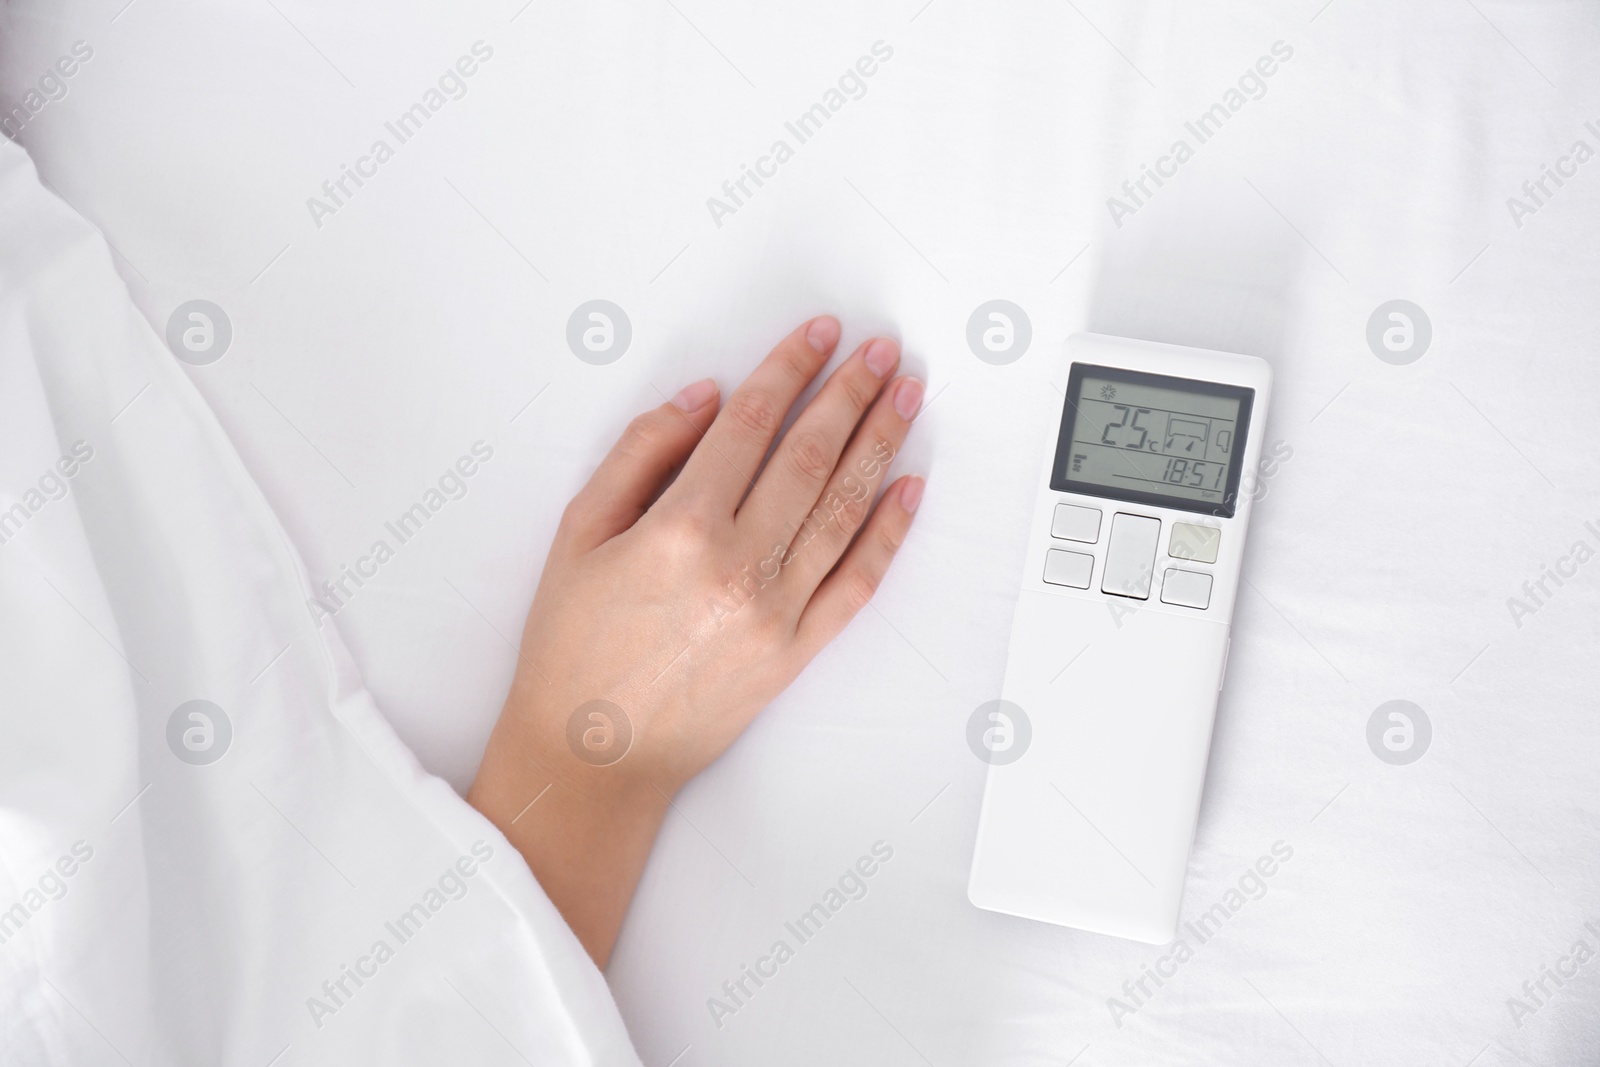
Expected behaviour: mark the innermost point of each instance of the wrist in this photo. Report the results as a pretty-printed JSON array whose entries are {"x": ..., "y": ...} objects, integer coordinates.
[
  {"x": 527, "y": 765},
  {"x": 585, "y": 831}
]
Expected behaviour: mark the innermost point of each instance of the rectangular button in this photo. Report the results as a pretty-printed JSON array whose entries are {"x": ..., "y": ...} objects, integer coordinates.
[
  {"x": 1074, "y": 523},
  {"x": 1189, "y": 589},
  {"x": 1068, "y": 568},
  {"x": 1131, "y": 559},
  {"x": 1191, "y": 541}
]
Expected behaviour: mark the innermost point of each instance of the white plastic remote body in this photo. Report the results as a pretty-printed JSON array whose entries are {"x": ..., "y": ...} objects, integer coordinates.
[{"x": 1120, "y": 638}]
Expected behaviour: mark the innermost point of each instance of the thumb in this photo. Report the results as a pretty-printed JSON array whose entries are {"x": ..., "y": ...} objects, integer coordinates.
[{"x": 628, "y": 479}]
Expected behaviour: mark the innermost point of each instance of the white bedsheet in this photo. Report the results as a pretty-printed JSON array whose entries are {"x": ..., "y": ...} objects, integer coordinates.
[
  {"x": 429, "y": 312},
  {"x": 276, "y": 880}
]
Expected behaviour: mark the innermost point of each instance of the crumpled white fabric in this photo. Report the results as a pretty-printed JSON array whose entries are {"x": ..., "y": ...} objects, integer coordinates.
[{"x": 310, "y": 897}]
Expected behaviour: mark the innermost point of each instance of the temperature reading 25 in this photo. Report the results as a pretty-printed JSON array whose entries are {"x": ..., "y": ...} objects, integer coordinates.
[{"x": 1107, "y": 437}]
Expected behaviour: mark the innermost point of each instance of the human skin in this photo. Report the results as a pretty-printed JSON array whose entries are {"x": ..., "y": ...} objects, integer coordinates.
[{"x": 686, "y": 604}]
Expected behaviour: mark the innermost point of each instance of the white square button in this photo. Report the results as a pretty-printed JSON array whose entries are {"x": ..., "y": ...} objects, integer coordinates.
[
  {"x": 1071, "y": 569},
  {"x": 1074, "y": 523},
  {"x": 1189, "y": 589},
  {"x": 1194, "y": 542}
]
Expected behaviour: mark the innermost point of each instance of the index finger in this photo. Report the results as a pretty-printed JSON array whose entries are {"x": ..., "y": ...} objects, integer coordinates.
[{"x": 724, "y": 464}]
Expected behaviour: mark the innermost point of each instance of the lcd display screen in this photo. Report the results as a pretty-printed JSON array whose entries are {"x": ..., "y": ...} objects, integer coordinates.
[{"x": 1153, "y": 439}]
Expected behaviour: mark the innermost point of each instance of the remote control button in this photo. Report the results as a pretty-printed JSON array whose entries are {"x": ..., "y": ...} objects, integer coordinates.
[
  {"x": 1131, "y": 558},
  {"x": 1068, "y": 568},
  {"x": 1192, "y": 542},
  {"x": 1074, "y": 523},
  {"x": 1189, "y": 589}
]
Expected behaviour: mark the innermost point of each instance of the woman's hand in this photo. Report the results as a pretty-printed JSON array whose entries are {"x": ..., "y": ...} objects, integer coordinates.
[{"x": 665, "y": 620}]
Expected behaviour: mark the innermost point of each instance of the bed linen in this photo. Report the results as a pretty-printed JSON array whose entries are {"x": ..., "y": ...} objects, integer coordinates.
[
  {"x": 214, "y": 849},
  {"x": 1418, "y": 539}
]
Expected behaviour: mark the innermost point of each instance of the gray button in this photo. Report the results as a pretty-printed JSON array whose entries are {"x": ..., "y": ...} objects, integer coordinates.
[
  {"x": 1131, "y": 559},
  {"x": 1189, "y": 589},
  {"x": 1068, "y": 568},
  {"x": 1190, "y": 541},
  {"x": 1074, "y": 523}
]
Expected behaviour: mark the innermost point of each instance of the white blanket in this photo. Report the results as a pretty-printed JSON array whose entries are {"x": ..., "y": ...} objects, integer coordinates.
[
  {"x": 1407, "y": 548},
  {"x": 214, "y": 849}
]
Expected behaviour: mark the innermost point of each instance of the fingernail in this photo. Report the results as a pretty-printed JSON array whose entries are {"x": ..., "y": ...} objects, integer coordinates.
[
  {"x": 695, "y": 396},
  {"x": 881, "y": 356},
  {"x": 823, "y": 334},
  {"x": 908, "y": 398},
  {"x": 911, "y": 494}
]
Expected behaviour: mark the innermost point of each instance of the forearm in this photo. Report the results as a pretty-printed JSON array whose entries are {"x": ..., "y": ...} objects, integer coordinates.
[{"x": 584, "y": 831}]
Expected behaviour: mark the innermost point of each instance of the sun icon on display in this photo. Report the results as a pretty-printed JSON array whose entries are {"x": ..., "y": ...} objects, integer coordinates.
[{"x": 1108, "y": 392}]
